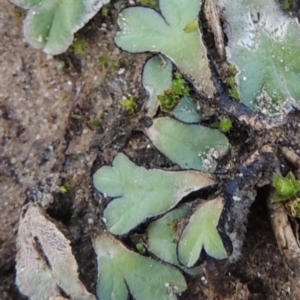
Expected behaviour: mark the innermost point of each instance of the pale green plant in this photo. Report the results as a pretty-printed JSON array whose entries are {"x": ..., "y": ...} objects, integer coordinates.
[
  {"x": 142, "y": 194},
  {"x": 186, "y": 111},
  {"x": 162, "y": 237},
  {"x": 157, "y": 73},
  {"x": 121, "y": 271},
  {"x": 264, "y": 47},
  {"x": 190, "y": 146},
  {"x": 51, "y": 24},
  {"x": 201, "y": 232},
  {"x": 156, "y": 78},
  {"x": 144, "y": 29}
]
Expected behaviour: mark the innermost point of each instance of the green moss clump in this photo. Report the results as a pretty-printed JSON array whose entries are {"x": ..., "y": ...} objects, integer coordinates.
[
  {"x": 76, "y": 117},
  {"x": 65, "y": 188},
  {"x": 141, "y": 248},
  {"x": 286, "y": 5},
  {"x": 232, "y": 70},
  {"x": 233, "y": 93},
  {"x": 109, "y": 63},
  {"x": 79, "y": 46},
  {"x": 150, "y": 3},
  {"x": 231, "y": 82},
  {"x": 179, "y": 86},
  {"x": 170, "y": 98},
  {"x": 105, "y": 10},
  {"x": 286, "y": 188},
  {"x": 95, "y": 122},
  {"x": 130, "y": 104},
  {"x": 225, "y": 125}
]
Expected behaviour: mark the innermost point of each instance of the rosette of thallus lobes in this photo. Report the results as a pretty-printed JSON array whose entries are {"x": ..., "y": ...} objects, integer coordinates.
[
  {"x": 263, "y": 43},
  {"x": 263, "y": 46},
  {"x": 149, "y": 201}
]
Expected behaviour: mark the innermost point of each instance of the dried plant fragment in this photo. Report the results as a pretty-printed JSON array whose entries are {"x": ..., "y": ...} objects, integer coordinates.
[
  {"x": 287, "y": 242},
  {"x": 213, "y": 20},
  {"x": 45, "y": 264},
  {"x": 293, "y": 158}
]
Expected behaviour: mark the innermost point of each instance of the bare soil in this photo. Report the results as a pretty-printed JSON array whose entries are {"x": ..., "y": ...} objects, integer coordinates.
[{"x": 48, "y": 136}]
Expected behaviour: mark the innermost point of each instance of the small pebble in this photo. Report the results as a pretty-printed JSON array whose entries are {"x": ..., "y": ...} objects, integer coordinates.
[
  {"x": 121, "y": 71},
  {"x": 235, "y": 198}
]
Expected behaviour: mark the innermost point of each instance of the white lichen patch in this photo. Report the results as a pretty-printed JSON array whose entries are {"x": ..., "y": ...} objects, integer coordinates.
[
  {"x": 265, "y": 106},
  {"x": 210, "y": 157}
]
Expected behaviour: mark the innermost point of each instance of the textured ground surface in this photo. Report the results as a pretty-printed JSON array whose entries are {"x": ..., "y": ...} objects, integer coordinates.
[{"x": 48, "y": 136}]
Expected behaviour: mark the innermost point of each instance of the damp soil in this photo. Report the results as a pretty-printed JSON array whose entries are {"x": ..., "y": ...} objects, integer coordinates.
[{"x": 61, "y": 119}]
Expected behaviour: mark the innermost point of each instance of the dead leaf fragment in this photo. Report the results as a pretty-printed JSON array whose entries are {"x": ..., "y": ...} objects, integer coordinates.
[
  {"x": 213, "y": 20},
  {"x": 45, "y": 264},
  {"x": 287, "y": 242}
]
